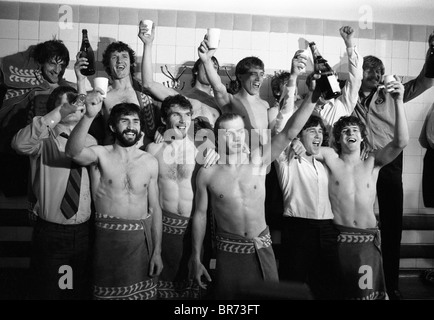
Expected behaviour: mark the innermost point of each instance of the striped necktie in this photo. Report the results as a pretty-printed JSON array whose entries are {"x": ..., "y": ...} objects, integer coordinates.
[{"x": 69, "y": 205}]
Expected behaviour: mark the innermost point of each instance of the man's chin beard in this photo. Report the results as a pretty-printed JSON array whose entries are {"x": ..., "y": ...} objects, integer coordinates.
[{"x": 127, "y": 143}]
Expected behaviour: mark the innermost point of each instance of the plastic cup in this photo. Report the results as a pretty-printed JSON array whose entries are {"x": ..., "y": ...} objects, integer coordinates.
[
  {"x": 387, "y": 79},
  {"x": 213, "y": 38},
  {"x": 148, "y": 24},
  {"x": 102, "y": 83}
]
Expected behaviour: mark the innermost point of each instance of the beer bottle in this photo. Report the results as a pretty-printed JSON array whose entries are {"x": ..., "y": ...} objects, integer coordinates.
[
  {"x": 87, "y": 52},
  {"x": 328, "y": 83}
]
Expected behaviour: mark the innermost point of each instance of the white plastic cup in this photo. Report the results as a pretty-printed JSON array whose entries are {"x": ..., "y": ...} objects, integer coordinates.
[
  {"x": 213, "y": 37},
  {"x": 387, "y": 79},
  {"x": 102, "y": 83},
  {"x": 148, "y": 24}
]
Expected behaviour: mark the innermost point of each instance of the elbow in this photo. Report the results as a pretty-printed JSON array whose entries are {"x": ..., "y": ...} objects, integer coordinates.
[{"x": 402, "y": 143}]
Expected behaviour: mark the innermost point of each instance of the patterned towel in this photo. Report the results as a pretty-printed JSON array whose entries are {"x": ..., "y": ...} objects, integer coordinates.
[
  {"x": 361, "y": 263},
  {"x": 22, "y": 77},
  {"x": 174, "y": 282},
  {"x": 242, "y": 261},
  {"x": 121, "y": 259}
]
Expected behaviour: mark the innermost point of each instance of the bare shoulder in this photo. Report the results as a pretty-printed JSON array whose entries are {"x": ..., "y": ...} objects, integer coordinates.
[
  {"x": 153, "y": 148},
  {"x": 205, "y": 174}
]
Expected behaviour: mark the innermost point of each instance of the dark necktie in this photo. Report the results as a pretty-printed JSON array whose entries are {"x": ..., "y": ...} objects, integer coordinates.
[{"x": 69, "y": 205}]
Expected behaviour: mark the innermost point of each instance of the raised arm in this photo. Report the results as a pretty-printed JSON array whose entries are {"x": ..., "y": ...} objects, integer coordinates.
[
  {"x": 287, "y": 98},
  {"x": 417, "y": 86},
  {"x": 156, "y": 264},
  {"x": 75, "y": 147},
  {"x": 158, "y": 90},
  {"x": 401, "y": 135},
  {"x": 221, "y": 94},
  {"x": 350, "y": 92},
  {"x": 196, "y": 268},
  {"x": 293, "y": 126},
  {"x": 28, "y": 140}
]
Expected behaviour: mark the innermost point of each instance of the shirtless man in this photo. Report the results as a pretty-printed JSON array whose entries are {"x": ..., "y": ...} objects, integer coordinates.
[
  {"x": 246, "y": 102},
  {"x": 119, "y": 62},
  {"x": 235, "y": 187},
  {"x": 159, "y": 91},
  {"x": 352, "y": 181},
  {"x": 128, "y": 215},
  {"x": 178, "y": 162},
  {"x": 201, "y": 89}
]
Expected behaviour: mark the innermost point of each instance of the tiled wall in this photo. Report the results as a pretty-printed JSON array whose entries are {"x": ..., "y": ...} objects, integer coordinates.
[{"x": 274, "y": 39}]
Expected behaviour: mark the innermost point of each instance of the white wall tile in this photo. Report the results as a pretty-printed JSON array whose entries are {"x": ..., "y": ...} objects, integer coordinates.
[
  {"x": 416, "y": 50},
  {"x": 411, "y": 201},
  {"x": 8, "y": 29},
  {"x": 242, "y": 40},
  {"x": 28, "y": 30},
  {"x": 413, "y": 148},
  {"x": 165, "y": 54},
  {"x": 414, "y": 128},
  {"x": 366, "y": 47},
  {"x": 400, "y": 49},
  {"x": 279, "y": 42},
  {"x": 399, "y": 66},
  {"x": 226, "y": 39},
  {"x": 411, "y": 164},
  {"x": 332, "y": 46},
  {"x": 71, "y": 34},
  {"x": 184, "y": 54},
  {"x": 224, "y": 56},
  {"x": 383, "y": 48},
  {"x": 48, "y": 30},
  {"x": 128, "y": 34},
  {"x": 108, "y": 33},
  {"x": 260, "y": 40},
  {"x": 186, "y": 37},
  {"x": 8, "y": 46},
  {"x": 23, "y": 45},
  {"x": 414, "y": 67}
]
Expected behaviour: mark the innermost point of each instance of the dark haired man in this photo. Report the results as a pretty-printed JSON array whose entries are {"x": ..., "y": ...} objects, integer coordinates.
[
  {"x": 235, "y": 188},
  {"x": 127, "y": 253},
  {"x": 27, "y": 79},
  {"x": 119, "y": 62},
  {"x": 58, "y": 239},
  {"x": 375, "y": 109},
  {"x": 178, "y": 161},
  {"x": 352, "y": 191}
]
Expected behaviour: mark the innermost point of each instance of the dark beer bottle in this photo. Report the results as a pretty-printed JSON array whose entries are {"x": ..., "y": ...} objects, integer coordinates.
[
  {"x": 328, "y": 83},
  {"x": 87, "y": 52},
  {"x": 429, "y": 64}
]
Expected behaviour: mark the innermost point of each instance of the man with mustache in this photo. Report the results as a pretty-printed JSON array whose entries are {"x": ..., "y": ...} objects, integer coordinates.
[
  {"x": 128, "y": 231},
  {"x": 375, "y": 109}
]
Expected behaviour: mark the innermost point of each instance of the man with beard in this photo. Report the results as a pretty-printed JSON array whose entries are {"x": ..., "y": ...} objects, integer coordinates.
[
  {"x": 178, "y": 161},
  {"x": 119, "y": 62},
  {"x": 128, "y": 215}
]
